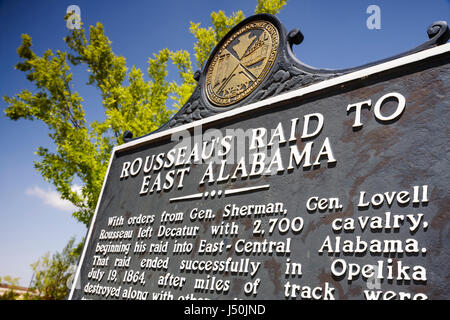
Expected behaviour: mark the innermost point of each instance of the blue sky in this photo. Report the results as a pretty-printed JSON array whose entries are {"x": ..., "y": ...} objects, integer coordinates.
[{"x": 32, "y": 218}]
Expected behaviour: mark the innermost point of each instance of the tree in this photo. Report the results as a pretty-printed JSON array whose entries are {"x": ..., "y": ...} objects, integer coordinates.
[
  {"x": 11, "y": 293},
  {"x": 82, "y": 150},
  {"x": 53, "y": 272}
]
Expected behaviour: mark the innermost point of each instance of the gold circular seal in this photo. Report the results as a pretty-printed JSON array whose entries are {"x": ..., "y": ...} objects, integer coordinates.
[{"x": 241, "y": 63}]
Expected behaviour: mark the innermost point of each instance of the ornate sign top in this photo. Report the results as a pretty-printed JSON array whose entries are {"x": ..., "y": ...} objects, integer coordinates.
[
  {"x": 241, "y": 63},
  {"x": 255, "y": 61}
]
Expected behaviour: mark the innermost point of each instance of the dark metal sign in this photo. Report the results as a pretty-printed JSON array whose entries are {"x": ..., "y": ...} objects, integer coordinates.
[{"x": 278, "y": 181}]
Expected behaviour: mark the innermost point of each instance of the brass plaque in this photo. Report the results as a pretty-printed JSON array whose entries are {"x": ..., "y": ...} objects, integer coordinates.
[{"x": 241, "y": 63}]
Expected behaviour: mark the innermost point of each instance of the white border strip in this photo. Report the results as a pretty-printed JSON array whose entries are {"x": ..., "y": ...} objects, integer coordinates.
[{"x": 289, "y": 95}]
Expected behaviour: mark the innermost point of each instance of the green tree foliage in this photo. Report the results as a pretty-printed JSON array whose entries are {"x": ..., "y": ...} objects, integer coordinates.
[
  {"x": 130, "y": 102},
  {"x": 10, "y": 294},
  {"x": 270, "y": 6},
  {"x": 52, "y": 273}
]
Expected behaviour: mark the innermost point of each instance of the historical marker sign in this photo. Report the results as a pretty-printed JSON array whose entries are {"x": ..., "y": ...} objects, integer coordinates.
[{"x": 279, "y": 181}]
